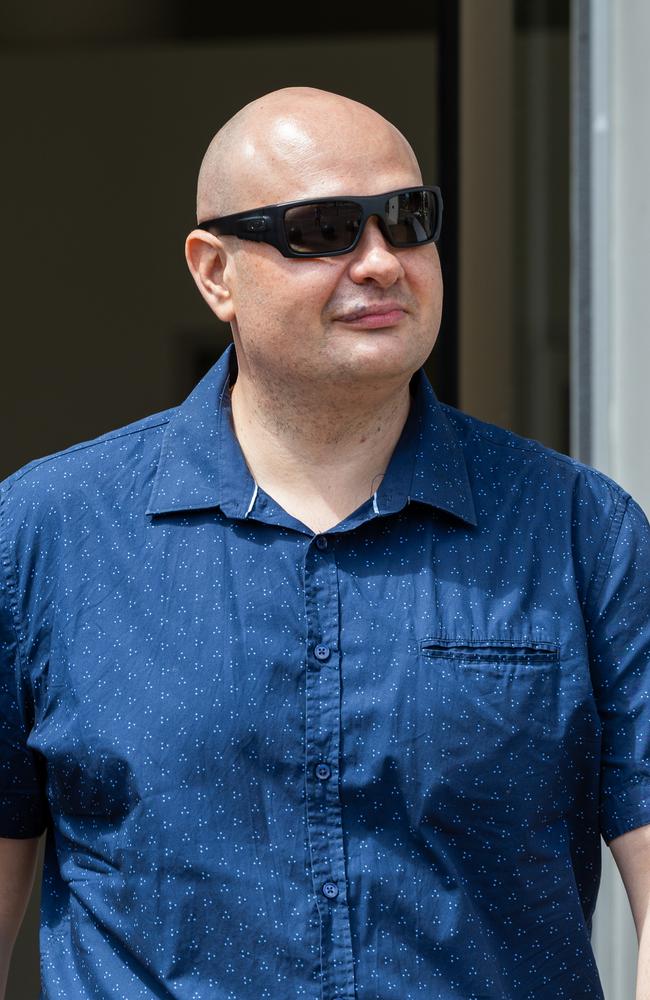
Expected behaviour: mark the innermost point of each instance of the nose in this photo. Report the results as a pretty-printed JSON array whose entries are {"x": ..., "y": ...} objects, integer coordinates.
[{"x": 374, "y": 258}]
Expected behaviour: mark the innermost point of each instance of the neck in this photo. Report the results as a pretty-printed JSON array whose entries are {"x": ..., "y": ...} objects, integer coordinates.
[{"x": 334, "y": 453}]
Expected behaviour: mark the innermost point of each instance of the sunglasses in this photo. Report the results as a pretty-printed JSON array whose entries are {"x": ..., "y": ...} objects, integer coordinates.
[{"x": 324, "y": 227}]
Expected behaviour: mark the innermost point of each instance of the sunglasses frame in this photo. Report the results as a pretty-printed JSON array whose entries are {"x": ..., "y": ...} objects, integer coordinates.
[{"x": 266, "y": 224}]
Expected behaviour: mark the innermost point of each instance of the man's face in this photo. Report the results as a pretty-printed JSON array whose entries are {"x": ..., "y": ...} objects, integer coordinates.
[{"x": 291, "y": 318}]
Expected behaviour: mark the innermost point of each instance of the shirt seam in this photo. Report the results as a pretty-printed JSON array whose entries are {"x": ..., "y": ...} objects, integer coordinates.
[
  {"x": 552, "y": 454},
  {"x": 111, "y": 436},
  {"x": 599, "y": 574}
]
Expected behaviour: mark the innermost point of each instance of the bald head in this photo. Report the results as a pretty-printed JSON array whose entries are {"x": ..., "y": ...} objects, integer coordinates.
[{"x": 293, "y": 143}]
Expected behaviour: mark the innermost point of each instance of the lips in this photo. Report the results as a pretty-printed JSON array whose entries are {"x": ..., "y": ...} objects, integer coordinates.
[{"x": 379, "y": 309}]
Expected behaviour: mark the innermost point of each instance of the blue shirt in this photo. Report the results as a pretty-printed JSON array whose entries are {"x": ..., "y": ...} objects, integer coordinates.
[{"x": 367, "y": 764}]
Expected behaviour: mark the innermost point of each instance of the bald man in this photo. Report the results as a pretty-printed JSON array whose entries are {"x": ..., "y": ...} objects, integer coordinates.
[
  {"x": 319, "y": 687},
  {"x": 320, "y": 398}
]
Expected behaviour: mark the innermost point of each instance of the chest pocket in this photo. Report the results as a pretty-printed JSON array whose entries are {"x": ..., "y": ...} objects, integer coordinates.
[
  {"x": 497, "y": 711},
  {"x": 513, "y": 683}
]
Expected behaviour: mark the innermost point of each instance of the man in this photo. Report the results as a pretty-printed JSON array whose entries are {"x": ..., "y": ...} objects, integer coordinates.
[{"x": 321, "y": 688}]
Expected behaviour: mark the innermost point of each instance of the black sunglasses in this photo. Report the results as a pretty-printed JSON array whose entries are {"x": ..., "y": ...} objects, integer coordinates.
[{"x": 324, "y": 227}]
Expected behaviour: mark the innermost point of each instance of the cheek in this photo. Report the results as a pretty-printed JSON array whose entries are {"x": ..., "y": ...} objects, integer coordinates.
[
  {"x": 277, "y": 293},
  {"x": 426, "y": 278}
]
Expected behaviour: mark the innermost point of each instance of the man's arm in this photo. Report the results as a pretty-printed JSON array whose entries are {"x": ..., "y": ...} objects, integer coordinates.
[
  {"x": 631, "y": 853},
  {"x": 17, "y": 870}
]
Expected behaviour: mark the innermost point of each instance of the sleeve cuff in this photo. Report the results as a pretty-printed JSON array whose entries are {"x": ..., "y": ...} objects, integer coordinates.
[{"x": 624, "y": 812}]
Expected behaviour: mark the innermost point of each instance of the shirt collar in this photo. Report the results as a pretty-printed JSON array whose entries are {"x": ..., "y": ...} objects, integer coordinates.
[{"x": 201, "y": 463}]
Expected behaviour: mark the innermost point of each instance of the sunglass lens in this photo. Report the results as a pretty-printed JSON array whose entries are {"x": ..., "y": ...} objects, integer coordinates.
[
  {"x": 411, "y": 217},
  {"x": 322, "y": 226}
]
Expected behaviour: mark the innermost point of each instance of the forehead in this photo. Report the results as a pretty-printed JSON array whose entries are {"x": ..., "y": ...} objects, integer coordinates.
[{"x": 291, "y": 164}]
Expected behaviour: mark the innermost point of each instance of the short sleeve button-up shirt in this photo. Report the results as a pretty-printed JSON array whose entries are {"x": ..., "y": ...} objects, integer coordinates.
[{"x": 369, "y": 764}]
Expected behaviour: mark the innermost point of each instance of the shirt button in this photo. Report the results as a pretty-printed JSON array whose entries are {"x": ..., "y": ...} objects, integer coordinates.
[
  {"x": 323, "y": 771},
  {"x": 330, "y": 889},
  {"x": 322, "y": 652},
  {"x": 321, "y": 542}
]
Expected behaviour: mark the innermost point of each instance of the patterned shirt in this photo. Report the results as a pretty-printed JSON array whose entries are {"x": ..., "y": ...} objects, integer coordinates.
[{"x": 369, "y": 764}]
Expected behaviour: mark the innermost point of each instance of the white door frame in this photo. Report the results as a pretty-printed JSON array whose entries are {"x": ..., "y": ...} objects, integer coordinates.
[{"x": 610, "y": 318}]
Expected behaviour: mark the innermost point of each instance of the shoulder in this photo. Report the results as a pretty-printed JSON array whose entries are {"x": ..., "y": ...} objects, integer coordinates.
[
  {"x": 107, "y": 462},
  {"x": 495, "y": 451}
]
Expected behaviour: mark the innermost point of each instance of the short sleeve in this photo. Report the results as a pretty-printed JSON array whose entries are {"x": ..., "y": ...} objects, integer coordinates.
[
  {"x": 23, "y": 806},
  {"x": 619, "y": 641}
]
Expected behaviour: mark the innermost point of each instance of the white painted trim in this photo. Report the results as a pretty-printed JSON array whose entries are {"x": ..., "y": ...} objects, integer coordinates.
[{"x": 610, "y": 320}]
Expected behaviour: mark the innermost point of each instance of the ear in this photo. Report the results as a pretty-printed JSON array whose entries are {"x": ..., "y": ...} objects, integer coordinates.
[{"x": 208, "y": 262}]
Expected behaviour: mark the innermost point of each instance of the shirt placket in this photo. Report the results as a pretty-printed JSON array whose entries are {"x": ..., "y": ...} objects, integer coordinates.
[{"x": 323, "y": 700}]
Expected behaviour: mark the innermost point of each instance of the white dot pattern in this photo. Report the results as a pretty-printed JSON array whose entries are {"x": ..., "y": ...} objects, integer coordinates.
[{"x": 373, "y": 764}]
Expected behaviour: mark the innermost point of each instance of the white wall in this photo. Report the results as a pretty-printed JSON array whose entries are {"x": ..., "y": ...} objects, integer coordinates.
[
  {"x": 630, "y": 247},
  {"x": 622, "y": 366}
]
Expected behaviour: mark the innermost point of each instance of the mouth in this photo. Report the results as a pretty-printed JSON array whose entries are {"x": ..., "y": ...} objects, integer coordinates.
[{"x": 369, "y": 317}]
